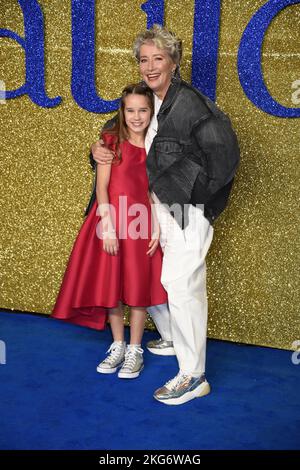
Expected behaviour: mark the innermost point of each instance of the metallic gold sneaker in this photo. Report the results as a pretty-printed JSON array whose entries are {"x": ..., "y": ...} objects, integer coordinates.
[
  {"x": 115, "y": 358},
  {"x": 161, "y": 347},
  {"x": 133, "y": 364},
  {"x": 182, "y": 389}
]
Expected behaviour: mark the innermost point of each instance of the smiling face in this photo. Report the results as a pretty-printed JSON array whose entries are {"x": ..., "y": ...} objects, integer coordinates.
[
  {"x": 137, "y": 114},
  {"x": 156, "y": 67}
]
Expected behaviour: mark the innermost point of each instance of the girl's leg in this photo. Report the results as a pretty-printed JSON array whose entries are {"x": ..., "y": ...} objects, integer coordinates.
[
  {"x": 118, "y": 348},
  {"x": 134, "y": 364},
  {"x": 116, "y": 321},
  {"x": 137, "y": 324}
]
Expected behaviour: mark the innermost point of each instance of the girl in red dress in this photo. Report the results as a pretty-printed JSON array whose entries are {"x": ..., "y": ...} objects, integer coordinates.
[{"x": 116, "y": 259}]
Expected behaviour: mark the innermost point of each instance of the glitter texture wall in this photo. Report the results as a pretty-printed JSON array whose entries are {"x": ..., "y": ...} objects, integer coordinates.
[{"x": 46, "y": 177}]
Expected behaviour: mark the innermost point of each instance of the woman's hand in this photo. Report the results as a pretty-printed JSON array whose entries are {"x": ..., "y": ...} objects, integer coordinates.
[
  {"x": 101, "y": 154},
  {"x": 110, "y": 244},
  {"x": 154, "y": 242}
]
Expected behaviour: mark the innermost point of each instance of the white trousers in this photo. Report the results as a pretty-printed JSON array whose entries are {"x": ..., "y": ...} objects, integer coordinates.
[{"x": 184, "y": 278}]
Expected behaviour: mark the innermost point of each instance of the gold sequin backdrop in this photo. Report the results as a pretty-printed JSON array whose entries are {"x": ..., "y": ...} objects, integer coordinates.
[{"x": 46, "y": 177}]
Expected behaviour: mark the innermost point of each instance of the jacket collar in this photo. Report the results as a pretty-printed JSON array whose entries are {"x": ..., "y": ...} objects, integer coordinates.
[{"x": 170, "y": 95}]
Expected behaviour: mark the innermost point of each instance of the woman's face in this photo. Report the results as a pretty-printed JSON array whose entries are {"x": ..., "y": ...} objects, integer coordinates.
[
  {"x": 156, "y": 68},
  {"x": 137, "y": 114}
]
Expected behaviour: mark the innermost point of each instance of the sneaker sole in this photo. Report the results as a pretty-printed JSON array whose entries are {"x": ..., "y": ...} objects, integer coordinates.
[
  {"x": 162, "y": 352},
  {"x": 127, "y": 375},
  {"x": 202, "y": 390},
  {"x": 108, "y": 371}
]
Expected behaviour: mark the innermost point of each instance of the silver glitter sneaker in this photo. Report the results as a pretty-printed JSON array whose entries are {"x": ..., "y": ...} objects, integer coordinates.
[
  {"x": 182, "y": 389},
  {"x": 133, "y": 364},
  {"x": 161, "y": 347},
  {"x": 114, "y": 360}
]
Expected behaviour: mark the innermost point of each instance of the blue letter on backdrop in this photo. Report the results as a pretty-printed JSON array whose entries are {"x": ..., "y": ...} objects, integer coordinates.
[
  {"x": 205, "y": 46},
  {"x": 33, "y": 45},
  {"x": 155, "y": 10},
  {"x": 83, "y": 59},
  {"x": 249, "y": 60}
]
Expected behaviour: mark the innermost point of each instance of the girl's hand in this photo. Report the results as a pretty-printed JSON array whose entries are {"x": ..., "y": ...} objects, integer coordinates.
[
  {"x": 110, "y": 244},
  {"x": 153, "y": 243}
]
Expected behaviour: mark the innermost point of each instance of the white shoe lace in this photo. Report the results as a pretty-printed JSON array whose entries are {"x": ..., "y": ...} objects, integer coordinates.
[
  {"x": 130, "y": 356},
  {"x": 177, "y": 380},
  {"x": 114, "y": 350}
]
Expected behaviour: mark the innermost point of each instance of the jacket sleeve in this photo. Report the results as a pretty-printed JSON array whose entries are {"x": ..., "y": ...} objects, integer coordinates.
[
  {"x": 107, "y": 125},
  {"x": 218, "y": 151}
]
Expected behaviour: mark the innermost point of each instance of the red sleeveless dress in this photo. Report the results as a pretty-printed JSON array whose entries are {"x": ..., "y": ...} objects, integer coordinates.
[{"x": 94, "y": 280}]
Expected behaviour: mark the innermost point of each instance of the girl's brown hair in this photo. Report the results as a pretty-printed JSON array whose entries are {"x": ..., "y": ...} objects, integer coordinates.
[{"x": 119, "y": 129}]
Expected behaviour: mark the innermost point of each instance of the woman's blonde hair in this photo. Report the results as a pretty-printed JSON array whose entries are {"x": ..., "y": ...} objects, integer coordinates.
[{"x": 163, "y": 39}]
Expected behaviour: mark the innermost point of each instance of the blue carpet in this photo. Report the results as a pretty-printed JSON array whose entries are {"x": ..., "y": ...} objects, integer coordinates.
[{"x": 52, "y": 398}]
